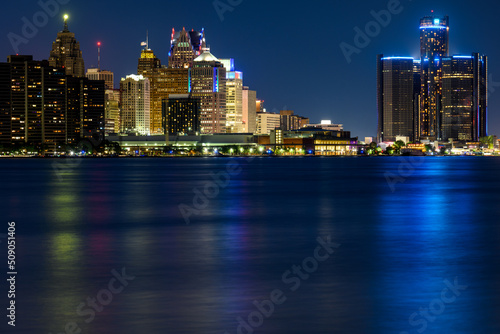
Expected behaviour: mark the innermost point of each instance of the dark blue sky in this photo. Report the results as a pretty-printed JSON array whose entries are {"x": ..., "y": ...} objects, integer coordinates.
[{"x": 289, "y": 51}]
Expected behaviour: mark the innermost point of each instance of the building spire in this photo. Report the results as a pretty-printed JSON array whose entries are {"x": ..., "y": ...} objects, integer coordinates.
[{"x": 66, "y": 17}]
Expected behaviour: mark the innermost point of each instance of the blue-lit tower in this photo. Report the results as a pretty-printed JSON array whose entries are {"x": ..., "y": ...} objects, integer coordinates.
[{"x": 434, "y": 45}]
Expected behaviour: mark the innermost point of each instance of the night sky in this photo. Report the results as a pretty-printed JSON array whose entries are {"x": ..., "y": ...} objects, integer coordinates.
[{"x": 289, "y": 51}]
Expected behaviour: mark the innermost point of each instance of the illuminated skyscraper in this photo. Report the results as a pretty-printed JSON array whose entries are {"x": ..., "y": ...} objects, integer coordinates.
[
  {"x": 135, "y": 105},
  {"x": 208, "y": 83},
  {"x": 66, "y": 53},
  {"x": 86, "y": 104},
  {"x": 185, "y": 47},
  {"x": 234, "y": 97},
  {"x": 37, "y": 94},
  {"x": 395, "y": 77},
  {"x": 181, "y": 114},
  {"x": 112, "y": 113},
  {"x": 464, "y": 97},
  {"x": 434, "y": 45},
  {"x": 149, "y": 66},
  {"x": 5, "y": 112},
  {"x": 449, "y": 93}
]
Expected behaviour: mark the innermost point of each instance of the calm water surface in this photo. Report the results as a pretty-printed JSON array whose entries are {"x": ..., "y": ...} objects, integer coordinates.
[{"x": 398, "y": 245}]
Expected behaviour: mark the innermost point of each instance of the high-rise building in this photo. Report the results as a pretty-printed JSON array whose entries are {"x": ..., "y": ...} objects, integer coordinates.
[
  {"x": 267, "y": 122},
  {"x": 438, "y": 112},
  {"x": 112, "y": 112},
  {"x": 86, "y": 105},
  {"x": 5, "y": 111},
  {"x": 66, "y": 53},
  {"x": 395, "y": 97},
  {"x": 208, "y": 83},
  {"x": 181, "y": 114},
  {"x": 107, "y": 76},
  {"x": 148, "y": 63},
  {"x": 45, "y": 106},
  {"x": 289, "y": 121},
  {"x": 37, "y": 107},
  {"x": 185, "y": 47},
  {"x": 464, "y": 97},
  {"x": 149, "y": 66},
  {"x": 135, "y": 105},
  {"x": 234, "y": 99},
  {"x": 249, "y": 110},
  {"x": 434, "y": 45}
]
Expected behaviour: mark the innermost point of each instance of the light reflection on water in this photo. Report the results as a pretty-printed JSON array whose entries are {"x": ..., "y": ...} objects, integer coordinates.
[{"x": 397, "y": 247}]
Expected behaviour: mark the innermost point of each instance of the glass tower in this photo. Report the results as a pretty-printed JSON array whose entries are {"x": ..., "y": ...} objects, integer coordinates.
[{"x": 434, "y": 45}]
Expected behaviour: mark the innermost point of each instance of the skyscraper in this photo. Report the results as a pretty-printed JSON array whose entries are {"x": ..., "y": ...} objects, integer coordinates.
[
  {"x": 208, "y": 82},
  {"x": 86, "y": 100},
  {"x": 5, "y": 111},
  {"x": 37, "y": 106},
  {"x": 449, "y": 93},
  {"x": 66, "y": 53},
  {"x": 181, "y": 114},
  {"x": 234, "y": 97},
  {"x": 149, "y": 66},
  {"x": 464, "y": 97},
  {"x": 185, "y": 47},
  {"x": 434, "y": 45},
  {"x": 395, "y": 78},
  {"x": 135, "y": 105}
]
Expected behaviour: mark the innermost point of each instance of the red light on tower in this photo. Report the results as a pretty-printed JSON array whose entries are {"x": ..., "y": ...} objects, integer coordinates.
[{"x": 99, "y": 56}]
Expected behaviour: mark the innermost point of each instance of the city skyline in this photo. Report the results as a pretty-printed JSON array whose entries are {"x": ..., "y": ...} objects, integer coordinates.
[{"x": 264, "y": 71}]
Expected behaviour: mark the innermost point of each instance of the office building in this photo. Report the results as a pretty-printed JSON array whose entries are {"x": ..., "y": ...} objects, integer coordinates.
[
  {"x": 434, "y": 45},
  {"x": 208, "y": 83},
  {"x": 234, "y": 97},
  {"x": 66, "y": 53},
  {"x": 5, "y": 111},
  {"x": 107, "y": 76},
  {"x": 185, "y": 46},
  {"x": 267, "y": 122},
  {"x": 435, "y": 114},
  {"x": 395, "y": 97},
  {"x": 249, "y": 110},
  {"x": 181, "y": 114},
  {"x": 112, "y": 111},
  {"x": 135, "y": 105},
  {"x": 464, "y": 98},
  {"x": 35, "y": 102},
  {"x": 86, "y": 105},
  {"x": 149, "y": 66}
]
